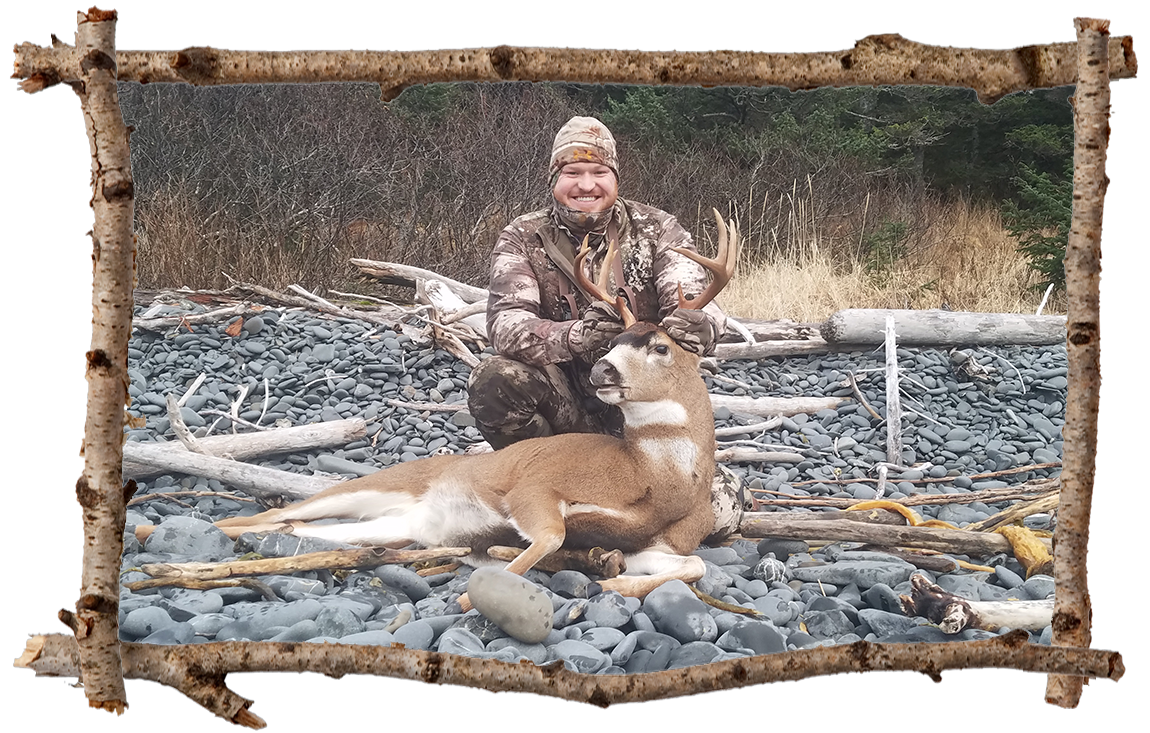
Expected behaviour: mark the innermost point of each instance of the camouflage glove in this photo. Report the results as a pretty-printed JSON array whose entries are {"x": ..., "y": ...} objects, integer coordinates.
[
  {"x": 590, "y": 337},
  {"x": 692, "y": 329}
]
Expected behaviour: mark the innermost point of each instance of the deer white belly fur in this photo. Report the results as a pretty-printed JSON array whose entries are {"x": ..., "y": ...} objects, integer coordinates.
[{"x": 678, "y": 452}]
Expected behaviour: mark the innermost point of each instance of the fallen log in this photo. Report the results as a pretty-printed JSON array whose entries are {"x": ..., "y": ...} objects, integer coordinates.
[
  {"x": 772, "y": 406},
  {"x": 245, "y": 446},
  {"x": 815, "y": 531},
  {"x": 454, "y": 309},
  {"x": 954, "y": 613},
  {"x": 750, "y": 455},
  {"x": 260, "y": 482},
  {"x": 393, "y": 273},
  {"x": 767, "y": 349},
  {"x": 367, "y": 557},
  {"x": 782, "y": 329},
  {"x": 944, "y": 328},
  {"x": 191, "y": 319}
]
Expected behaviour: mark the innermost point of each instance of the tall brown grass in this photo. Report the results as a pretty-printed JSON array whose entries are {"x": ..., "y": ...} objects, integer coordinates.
[{"x": 958, "y": 256}]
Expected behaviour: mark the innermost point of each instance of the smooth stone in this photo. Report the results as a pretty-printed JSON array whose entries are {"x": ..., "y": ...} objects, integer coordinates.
[
  {"x": 405, "y": 580},
  {"x": 304, "y": 630},
  {"x": 882, "y": 597},
  {"x": 782, "y": 548},
  {"x": 570, "y": 584},
  {"x": 208, "y": 624},
  {"x": 1038, "y": 587},
  {"x": 1007, "y": 577},
  {"x": 884, "y": 623},
  {"x": 179, "y": 633},
  {"x": 828, "y": 624},
  {"x": 608, "y": 609},
  {"x": 965, "y": 586},
  {"x": 586, "y": 658},
  {"x": 518, "y": 606},
  {"x": 759, "y": 637},
  {"x": 145, "y": 621},
  {"x": 863, "y": 573},
  {"x": 692, "y": 653},
  {"x": 278, "y": 544},
  {"x": 459, "y": 641},
  {"x": 419, "y": 634},
  {"x": 338, "y": 622},
  {"x": 677, "y": 612},
  {"x": 603, "y": 638},
  {"x": 180, "y": 535},
  {"x": 537, "y": 653},
  {"x": 378, "y": 637},
  {"x": 770, "y": 570},
  {"x": 334, "y": 464}
]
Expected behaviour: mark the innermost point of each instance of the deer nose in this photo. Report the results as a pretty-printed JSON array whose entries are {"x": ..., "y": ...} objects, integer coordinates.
[{"x": 604, "y": 374}]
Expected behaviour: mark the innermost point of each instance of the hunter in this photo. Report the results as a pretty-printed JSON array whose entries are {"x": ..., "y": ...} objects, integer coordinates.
[{"x": 547, "y": 333}]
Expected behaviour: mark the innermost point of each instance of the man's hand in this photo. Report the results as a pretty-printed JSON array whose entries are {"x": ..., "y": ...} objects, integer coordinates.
[
  {"x": 692, "y": 329},
  {"x": 590, "y": 337}
]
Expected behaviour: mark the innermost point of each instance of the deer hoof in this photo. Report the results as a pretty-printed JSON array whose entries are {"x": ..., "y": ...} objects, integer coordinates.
[{"x": 611, "y": 563}]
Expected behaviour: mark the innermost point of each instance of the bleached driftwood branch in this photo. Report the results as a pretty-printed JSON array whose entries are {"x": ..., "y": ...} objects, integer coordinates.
[
  {"x": 260, "y": 482},
  {"x": 943, "y": 328},
  {"x": 244, "y": 446}
]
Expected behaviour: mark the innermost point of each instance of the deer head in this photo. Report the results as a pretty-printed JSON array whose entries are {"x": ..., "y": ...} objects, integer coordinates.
[{"x": 645, "y": 365}]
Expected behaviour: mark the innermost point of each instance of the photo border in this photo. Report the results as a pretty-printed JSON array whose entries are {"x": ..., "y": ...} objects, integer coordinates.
[{"x": 1095, "y": 313}]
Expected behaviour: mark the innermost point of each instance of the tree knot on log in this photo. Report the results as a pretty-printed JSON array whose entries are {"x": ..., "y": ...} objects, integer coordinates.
[
  {"x": 599, "y": 698},
  {"x": 861, "y": 652},
  {"x": 88, "y": 497},
  {"x": 1035, "y": 62},
  {"x": 197, "y": 64},
  {"x": 1067, "y": 622},
  {"x": 98, "y": 603},
  {"x": 98, "y": 361},
  {"x": 97, "y": 59},
  {"x": 432, "y": 670},
  {"x": 118, "y": 188},
  {"x": 1082, "y": 332},
  {"x": 503, "y": 61}
]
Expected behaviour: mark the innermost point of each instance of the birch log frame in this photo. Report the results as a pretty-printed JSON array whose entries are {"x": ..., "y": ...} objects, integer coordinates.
[
  {"x": 199, "y": 671},
  {"x": 1083, "y": 349},
  {"x": 244, "y": 446},
  {"x": 100, "y": 488}
]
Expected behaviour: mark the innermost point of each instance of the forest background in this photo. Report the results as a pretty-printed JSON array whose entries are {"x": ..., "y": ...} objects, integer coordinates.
[{"x": 903, "y": 197}]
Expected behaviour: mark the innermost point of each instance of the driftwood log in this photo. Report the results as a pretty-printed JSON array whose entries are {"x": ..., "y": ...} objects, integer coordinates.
[
  {"x": 244, "y": 446},
  {"x": 837, "y": 530},
  {"x": 394, "y": 273},
  {"x": 260, "y": 482},
  {"x": 943, "y": 328},
  {"x": 845, "y": 330},
  {"x": 954, "y": 613},
  {"x": 772, "y": 406}
]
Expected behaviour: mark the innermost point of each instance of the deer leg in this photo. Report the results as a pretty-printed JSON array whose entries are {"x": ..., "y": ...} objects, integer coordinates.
[
  {"x": 342, "y": 504},
  {"x": 649, "y": 569},
  {"x": 539, "y": 522},
  {"x": 378, "y": 531}
]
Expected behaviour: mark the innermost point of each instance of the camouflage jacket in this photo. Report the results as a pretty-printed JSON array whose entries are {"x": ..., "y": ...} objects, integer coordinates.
[{"x": 529, "y": 320}]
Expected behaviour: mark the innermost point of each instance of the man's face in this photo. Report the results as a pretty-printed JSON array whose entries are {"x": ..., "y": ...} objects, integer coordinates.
[{"x": 587, "y": 187}]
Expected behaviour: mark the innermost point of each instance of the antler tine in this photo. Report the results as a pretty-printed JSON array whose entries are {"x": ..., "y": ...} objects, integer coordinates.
[
  {"x": 722, "y": 267},
  {"x": 599, "y": 289}
]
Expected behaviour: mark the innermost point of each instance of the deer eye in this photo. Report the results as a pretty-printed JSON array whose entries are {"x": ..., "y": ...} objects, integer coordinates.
[{"x": 661, "y": 349}]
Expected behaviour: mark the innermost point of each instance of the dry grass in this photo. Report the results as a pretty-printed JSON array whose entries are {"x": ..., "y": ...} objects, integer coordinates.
[
  {"x": 958, "y": 256},
  {"x": 801, "y": 261}
]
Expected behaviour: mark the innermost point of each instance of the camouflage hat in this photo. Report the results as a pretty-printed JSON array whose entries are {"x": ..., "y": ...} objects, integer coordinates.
[{"x": 583, "y": 140}]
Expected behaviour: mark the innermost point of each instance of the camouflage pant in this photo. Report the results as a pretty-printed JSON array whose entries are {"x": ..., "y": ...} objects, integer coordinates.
[{"x": 512, "y": 401}]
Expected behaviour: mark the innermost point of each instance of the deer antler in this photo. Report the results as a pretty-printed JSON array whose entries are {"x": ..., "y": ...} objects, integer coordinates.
[
  {"x": 599, "y": 289},
  {"x": 722, "y": 267}
]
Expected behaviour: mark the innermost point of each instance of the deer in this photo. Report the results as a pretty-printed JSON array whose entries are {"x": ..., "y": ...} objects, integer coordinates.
[{"x": 647, "y": 494}]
